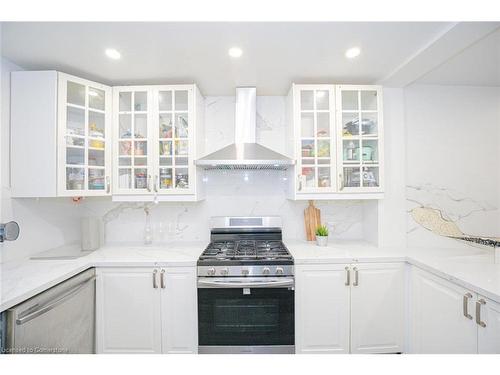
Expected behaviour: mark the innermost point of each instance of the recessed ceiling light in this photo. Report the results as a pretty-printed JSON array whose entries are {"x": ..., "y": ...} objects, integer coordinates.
[
  {"x": 113, "y": 53},
  {"x": 353, "y": 52},
  {"x": 235, "y": 52}
]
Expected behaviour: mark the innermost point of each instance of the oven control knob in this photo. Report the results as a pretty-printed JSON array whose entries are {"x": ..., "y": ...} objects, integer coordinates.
[
  {"x": 245, "y": 272},
  {"x": 266, "y": 271},
  {"x": 279, "y": 271},
  {"x": 211, "y": 271},
  {"x": 224, "y": 271}
]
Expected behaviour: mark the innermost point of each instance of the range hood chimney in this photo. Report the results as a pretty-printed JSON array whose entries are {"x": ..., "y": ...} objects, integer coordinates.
[{"x": 245, "y": 153}]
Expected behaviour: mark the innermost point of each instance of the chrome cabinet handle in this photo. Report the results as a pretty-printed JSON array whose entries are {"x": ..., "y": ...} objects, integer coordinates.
[
  {"x": 467, "y": 296},
  {"x": 348, "y": 276},
  {"x": 156, "y": 184},
  {"x": 341, "y": 182},
  {"x": 162, "y": 279},
  {"x": 108, "y": 185},
  {"x": 478, "y": 312},
  {"x": 148, "y": 183},
  {"x": 300, "y": 181},
  {"x": 356, "y": 277},
  {"x": 155, "y": 283}
]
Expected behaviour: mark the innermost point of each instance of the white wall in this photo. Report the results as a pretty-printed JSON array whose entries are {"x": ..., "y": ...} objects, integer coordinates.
[
  {"x": 453, "y": 135},
  {"x": 391, "y": 210},
  {"x": 45, "y": 223}
]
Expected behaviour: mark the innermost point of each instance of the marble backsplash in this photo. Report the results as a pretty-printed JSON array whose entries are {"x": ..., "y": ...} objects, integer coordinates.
[
  {"x": 228, "y": 194},
  {"x": 451, "y": 215},
  {"x": 237, "y": 193},
  {"x": 452, "y": 156}
]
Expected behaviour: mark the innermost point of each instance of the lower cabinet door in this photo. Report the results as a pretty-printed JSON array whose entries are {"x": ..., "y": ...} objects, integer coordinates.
[
  {"x": 127, "y": 311},
  {"x": 378, "y": 308},
  {"x": 179, "y": 310},
  {"x": 489, "y": 336},
  {"x": 321, "y": 309},
  {"x": 437, "y": 316}
]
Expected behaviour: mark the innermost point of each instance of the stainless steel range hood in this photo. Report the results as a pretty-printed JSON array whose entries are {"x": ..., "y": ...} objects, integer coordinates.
[{"x": 245, "y": 153}]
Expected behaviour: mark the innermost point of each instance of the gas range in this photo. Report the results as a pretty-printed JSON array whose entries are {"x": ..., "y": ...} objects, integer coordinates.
[
  {"x": 243, "y": 246},
  {"x": 246, "y": 288}
]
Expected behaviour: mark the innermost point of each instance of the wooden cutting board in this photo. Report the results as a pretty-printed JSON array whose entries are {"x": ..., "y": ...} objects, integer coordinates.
[{"x": 312, "y": 220}]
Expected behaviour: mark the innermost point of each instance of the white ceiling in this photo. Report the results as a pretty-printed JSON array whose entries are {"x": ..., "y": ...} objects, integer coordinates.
[
  {"x": 477, "y": 65},
  {"x": 275, "y": 54}
]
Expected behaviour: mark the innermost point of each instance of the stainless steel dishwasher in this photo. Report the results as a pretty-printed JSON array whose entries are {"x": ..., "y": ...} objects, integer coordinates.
[{"x": 59, "y": 320}]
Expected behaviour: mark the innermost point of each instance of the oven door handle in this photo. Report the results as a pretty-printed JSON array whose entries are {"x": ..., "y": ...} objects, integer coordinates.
[{"x": 275, "y": 283}]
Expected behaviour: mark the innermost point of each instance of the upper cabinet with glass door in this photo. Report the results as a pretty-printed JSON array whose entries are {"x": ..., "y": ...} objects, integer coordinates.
[
  {"x": 315, "y": 116},
  {"x": 84, "y": 136},
  {"x": 61, "y": 135},
  {"x": 360, "y": 135},
  {"x": 174, "y": 167},
  {"x": 157, "y": 133},
  {"x": 132, "y": 140},
  {"x": 336, "y": 135}
]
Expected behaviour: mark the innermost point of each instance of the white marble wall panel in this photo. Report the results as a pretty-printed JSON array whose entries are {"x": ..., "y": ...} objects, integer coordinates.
[{"x": 452, "y": 161}]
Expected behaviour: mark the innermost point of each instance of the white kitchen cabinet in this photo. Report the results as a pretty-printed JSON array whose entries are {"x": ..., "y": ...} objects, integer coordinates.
[
  {"x": 336, "y": 138},
  {"x": 61, "y": 135},
  {"x": 321, "y": 309},
  {"x": 128, "y": 311},
  {"x": 488, "y": 313},
  {"x": 360, "y": 150},
  {"x": 378, "y": 308},
  {"x": 179, "y": 306},
  {"x": 353, "y": 308},
  {"x": 158, "y": 133},
  {"x": 147, "y": 310},
  {"x": 438, "y": 321}
]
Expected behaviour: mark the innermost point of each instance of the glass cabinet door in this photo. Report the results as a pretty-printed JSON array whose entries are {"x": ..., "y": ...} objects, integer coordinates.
[
  {"x": 317, "y": 155},
  {"x": 133, "y": 145},
  {"x": 174, "y": 133},
  {"x": 86, "y": 146},
  {"x": 359, "y": 138}
]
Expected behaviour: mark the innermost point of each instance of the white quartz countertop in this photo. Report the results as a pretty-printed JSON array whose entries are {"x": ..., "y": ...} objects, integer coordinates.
[
  {"x": 23, "y": 279},
  {"x": 472, "y": 268}
]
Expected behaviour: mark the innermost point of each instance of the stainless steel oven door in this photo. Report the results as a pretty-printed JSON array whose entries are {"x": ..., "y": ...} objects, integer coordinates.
[{"x": 246, "y": 315}]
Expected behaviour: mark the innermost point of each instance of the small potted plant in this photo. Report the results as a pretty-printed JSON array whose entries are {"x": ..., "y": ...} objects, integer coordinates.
[{"x": 322, "y": 235}]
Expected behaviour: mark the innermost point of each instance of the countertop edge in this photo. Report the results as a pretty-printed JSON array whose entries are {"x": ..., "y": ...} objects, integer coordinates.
[{"x": 384, "y": 258}]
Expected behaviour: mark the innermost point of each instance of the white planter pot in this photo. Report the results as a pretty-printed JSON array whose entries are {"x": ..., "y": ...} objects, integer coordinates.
[{"x": 321, "y": 240}]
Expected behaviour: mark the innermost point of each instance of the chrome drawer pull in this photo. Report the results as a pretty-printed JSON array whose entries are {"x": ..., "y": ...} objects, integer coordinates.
[
  {"x": 348, "y": 276},
  {"x": 356, "y": 277},
  {"x": 478, "y": 312},
  {"x": 155, "y": 283},
  {"x": 467, "y": 296},
  {"x": 162, "y": 279}
]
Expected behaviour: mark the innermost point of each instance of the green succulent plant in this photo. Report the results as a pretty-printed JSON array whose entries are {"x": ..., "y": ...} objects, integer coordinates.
[{"x": 322, "y": 230}]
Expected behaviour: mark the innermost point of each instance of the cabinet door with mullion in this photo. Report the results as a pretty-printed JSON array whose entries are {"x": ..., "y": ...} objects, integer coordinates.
[
  {"x": 84, "y": 137},
  {"x": 173, "y": 139},
  {"x": 316, "y": 159},
  {"x": 133, "y": 160},
  {"x": 359, "y": 138}
]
